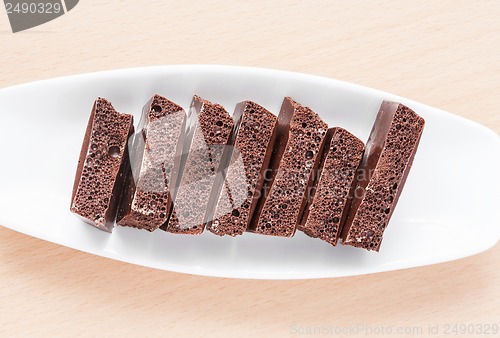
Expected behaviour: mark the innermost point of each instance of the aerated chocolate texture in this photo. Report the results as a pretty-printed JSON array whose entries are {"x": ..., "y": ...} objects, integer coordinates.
[
  {"x": 212, "y": 128},
  {"x": 155, "y": 161},
  {"x": 299, "y": 141},
  {"x": 381, "y": 176},
  {"x": 332, "y": 186},
  {"x": 245, "y": 171},
  {"x": 102, "y": 165},
  {"x": 253, "y": 172}
]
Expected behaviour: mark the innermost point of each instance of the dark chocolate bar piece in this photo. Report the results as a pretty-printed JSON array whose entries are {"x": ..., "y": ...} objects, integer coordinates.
[
  {"x": 300, "y": 137},
  {"x": 211, "y": 127},
  {"x": 245, "y": 172},
  {"x": 382, "y": 174},
  {"x": 102, "y": 166},
  {"x": 155, "y": 162},
  {"x": 332, "y": 186}
]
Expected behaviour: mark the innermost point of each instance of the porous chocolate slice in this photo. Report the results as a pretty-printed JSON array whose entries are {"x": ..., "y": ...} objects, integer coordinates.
[
  {"x": 212, "y": 128},
  {"x": 300, "y": 137},
  {"x": 155, "y": 164},
  {"x": 102, "y": 165},
  {"x": 382, "y": 174},
  {"x": 245, "y": 172},
  {"x": 332, "y": 186}
]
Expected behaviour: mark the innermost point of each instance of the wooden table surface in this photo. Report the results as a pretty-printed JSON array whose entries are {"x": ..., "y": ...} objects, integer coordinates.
[{"x": 445, "y": 54}]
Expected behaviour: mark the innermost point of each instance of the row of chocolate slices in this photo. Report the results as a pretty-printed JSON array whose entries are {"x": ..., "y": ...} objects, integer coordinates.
[{"x": 253, "y": 171}]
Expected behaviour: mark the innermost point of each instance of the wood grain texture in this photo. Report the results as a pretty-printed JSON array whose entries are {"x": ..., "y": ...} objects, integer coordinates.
[{"x": 445, "y": 54}]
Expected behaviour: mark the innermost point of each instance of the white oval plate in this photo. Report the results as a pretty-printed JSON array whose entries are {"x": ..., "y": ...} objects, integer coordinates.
[{"x": 448, "y": 209}]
